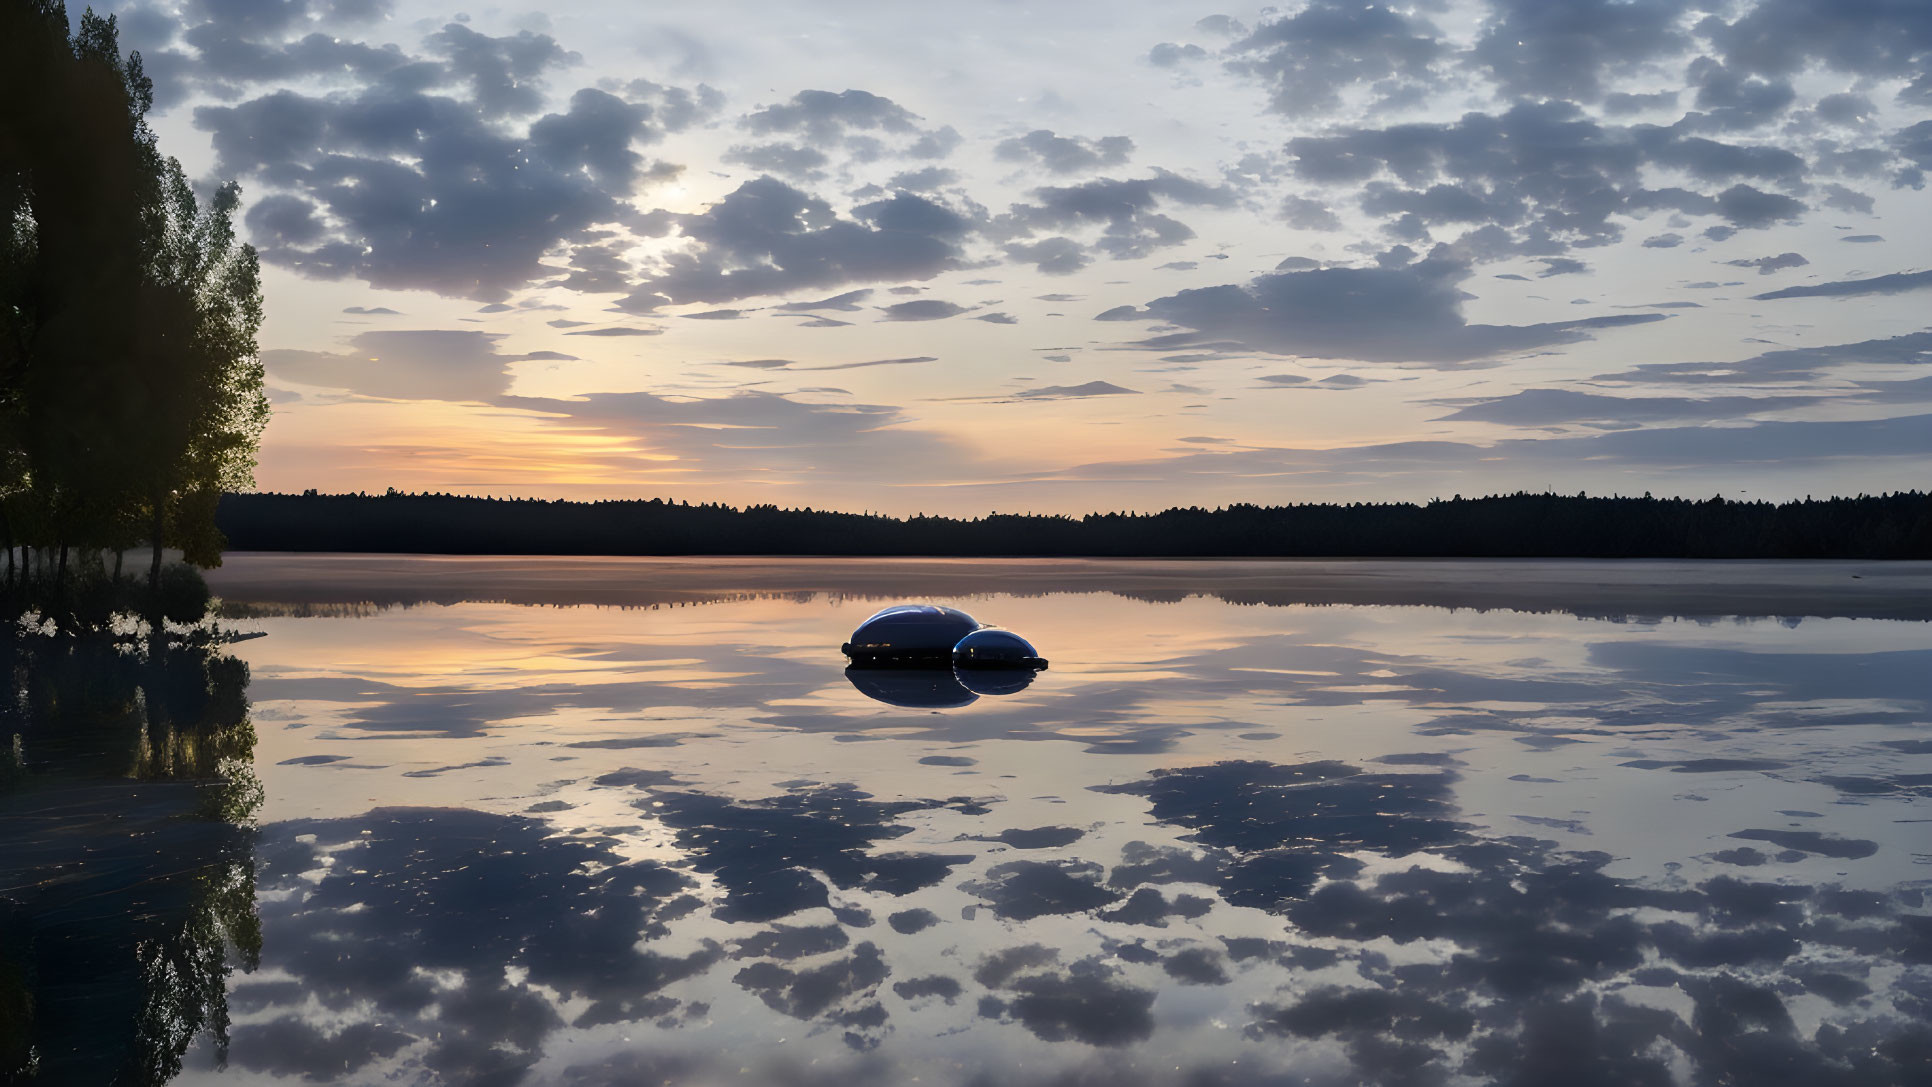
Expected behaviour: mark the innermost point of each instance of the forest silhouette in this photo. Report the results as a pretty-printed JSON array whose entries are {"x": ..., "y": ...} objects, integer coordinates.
[{"x": 1891, "y": 526}]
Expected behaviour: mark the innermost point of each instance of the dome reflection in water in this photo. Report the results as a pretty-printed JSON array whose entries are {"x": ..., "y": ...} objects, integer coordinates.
[{"x": 913, "y": 688}]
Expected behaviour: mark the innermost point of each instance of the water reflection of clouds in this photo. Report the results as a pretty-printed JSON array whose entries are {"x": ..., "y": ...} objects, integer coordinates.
[
  {"x": 1387, "y": 845},
  {"x": 465, "y": 943}
]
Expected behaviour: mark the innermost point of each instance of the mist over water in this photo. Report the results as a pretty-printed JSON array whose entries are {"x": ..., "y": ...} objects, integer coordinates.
[{"x": 1217, "y": 842}]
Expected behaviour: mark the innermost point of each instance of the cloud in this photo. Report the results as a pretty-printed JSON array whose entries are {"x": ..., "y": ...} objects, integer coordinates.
[
  {"x": 1333, "y": 382},
  {"x": 774, "y": 439},
  {"x": 371, "y": 311},
  {"x": 1545, "y": 175},
  {"x": 1895, "y": 283},
  {"x": 1410, "y": 314},
  {"x": 998, "y": 318},
  {"x": 1535, "y": 50},
  {"x": 1768, "y": 265},
  {"x": 1792, "y": 365},
  {"x": 1308, "y": 58},
  {"x": 1075, "y": 392},
  {"x": 787, "y": 364},
  {"x": 922, "y": 309},
  {"x": 1782, "y": 37},
  {"x": 1543, "y": 407},
  {"x": 617, "y": 330},
  {"x": 456, "y": 365},
  {"x": 849, "y": 302},
  {"x": 1065, "y": 154},
  {"x": 824, "y": 117},
  {"x": 426, "y": 192},
  {"x": 1052, "y": 256},
  {"x": 786, "y": 159},
  {"x": 1305, "y": 213},
  {"x": 1171, "y": 54},
  {"x": 1131, "y": 227},
  {"x": 768, "y": 238}
]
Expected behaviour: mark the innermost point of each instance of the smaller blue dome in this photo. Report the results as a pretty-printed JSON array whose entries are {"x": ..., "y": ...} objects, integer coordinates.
[{"x": 990, "y": 647}]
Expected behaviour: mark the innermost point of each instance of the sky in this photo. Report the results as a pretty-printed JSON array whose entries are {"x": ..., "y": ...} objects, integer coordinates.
[{"x": 1074, "y": 256}]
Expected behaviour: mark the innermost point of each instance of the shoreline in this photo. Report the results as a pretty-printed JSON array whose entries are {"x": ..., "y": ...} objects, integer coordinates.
[{"x": 1588, "y": 588}]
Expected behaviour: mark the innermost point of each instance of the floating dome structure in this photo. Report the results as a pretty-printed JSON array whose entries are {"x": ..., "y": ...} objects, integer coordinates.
[
  {"x": 924, "y": 656},
  {"x": 991, "y": 647},
  {"x": 909, "y": 634}
]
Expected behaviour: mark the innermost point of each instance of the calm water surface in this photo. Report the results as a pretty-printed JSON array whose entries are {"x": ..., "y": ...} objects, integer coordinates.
[{"x": 1216, "y": 842}]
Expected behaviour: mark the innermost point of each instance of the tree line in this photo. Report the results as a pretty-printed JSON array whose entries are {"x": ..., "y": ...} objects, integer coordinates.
[
  {"x": 130, "y": 388},
  {"x": 1523, "y": 525}
]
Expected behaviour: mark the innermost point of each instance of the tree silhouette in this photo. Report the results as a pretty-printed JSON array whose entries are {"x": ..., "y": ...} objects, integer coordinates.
[{"x": 130, "y": 390}]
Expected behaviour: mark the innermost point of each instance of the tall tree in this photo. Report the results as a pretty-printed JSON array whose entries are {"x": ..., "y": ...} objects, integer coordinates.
[
  {"x": 196, "y": 377},
  {"x": 130, "y": 388}
]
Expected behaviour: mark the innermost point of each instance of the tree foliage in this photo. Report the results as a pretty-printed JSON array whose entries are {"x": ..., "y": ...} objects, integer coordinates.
[{"x": 130, "y": 387}]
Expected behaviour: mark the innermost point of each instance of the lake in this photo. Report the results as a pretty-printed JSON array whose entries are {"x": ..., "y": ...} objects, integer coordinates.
[{"x": 583, "y": 821}]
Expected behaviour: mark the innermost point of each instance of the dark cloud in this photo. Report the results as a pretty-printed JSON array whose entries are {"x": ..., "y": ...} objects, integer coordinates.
[
  {"x": 371, "y": 311},
  {"x": 1544, "y": 175},
  {"x": 1308, "y": 58},
  {"x": 1331, "y": 383},
  {"x": 1125, "y": 210},
  {"x": 1539, "y": 50},
  {"x": 924, "y": 179},
  {"x": 1768, "y": 265},
  {"x": 423, "y": 191},
  {"x": 1792, "y": 365},
  {"x": 1304, "y": 213},
  {"x": 825, "y": 118},
  {"x": 849, "y": 302},
  {"x": 1874, "y": 39},
  {"x": 1074, "y": 392},
  {"x": 785, "y": 159},
  {"x": 1170, "y": 54},
  {"x": 1052, "y": 256},
  {"x": 617, "y": 330},
  {"x": 1065, "y": 154},
  {"x": 1895, "y": 283},
  {"x": 767, "y": 238},
  {"x": 1543, "y": 407},
  {"x": 923, "y": 309},
  {"x": 1732, "y": 101},
  {"x": 1411, "y": 314}
]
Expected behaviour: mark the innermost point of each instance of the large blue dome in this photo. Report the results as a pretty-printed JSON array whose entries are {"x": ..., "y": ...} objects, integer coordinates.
[{"x": 909, "y": 632}]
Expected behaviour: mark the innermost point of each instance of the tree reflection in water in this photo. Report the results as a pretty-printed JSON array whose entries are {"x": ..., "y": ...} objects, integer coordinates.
[{"x": 127, "y": 875}]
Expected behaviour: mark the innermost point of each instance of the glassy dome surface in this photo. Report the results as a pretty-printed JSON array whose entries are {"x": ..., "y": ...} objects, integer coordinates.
[
  {"x": 913, "y": 688},
  {"x": 910, "y": 632},
  {"x": 990, "y": 647}
]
